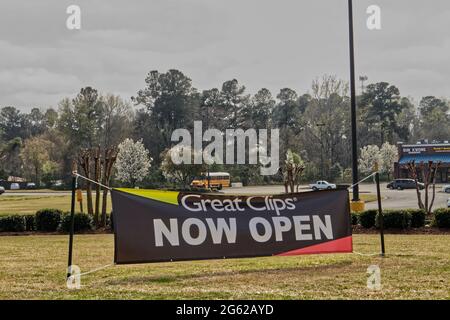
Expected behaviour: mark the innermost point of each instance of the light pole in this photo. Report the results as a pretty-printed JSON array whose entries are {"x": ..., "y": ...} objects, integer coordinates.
[
  {"x": 363, "y": 79},
  {"x": 353, "y": 105}
]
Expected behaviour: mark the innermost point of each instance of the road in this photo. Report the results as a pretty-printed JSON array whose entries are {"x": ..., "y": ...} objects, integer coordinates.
[{"x": 392, "y": 199}]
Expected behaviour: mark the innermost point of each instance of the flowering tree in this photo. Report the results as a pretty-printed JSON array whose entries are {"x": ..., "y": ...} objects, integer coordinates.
[
  {"x": 370, "y": 156},
  {"x": 133, "y": 162},
  {"x": 388, "y": 155}
]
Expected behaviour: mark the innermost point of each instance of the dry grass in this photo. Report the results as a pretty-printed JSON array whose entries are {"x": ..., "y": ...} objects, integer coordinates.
[
  {"x": 29, "y": 204},
  {"x": 416, "y": 267}
]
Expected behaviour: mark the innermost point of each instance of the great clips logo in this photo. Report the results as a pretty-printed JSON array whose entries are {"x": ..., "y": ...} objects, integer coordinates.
[{"x": 195, "y": 203}]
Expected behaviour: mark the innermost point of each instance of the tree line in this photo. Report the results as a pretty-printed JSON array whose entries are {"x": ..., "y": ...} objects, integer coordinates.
[{"x": 41, "y": 144}]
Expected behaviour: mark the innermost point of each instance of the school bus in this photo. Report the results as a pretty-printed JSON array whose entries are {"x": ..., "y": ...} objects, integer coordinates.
[{"x": 217, "y": 180}]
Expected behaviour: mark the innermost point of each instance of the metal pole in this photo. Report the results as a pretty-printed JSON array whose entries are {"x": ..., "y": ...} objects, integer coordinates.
[
  {"x": 380, "y": 213},
  {"x": 207, "y": 165},
  {"x": 353, "y": 104},
  {"x": 72, "y": 216}
]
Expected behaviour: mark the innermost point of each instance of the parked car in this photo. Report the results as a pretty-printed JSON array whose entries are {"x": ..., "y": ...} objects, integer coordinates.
[
  {"x": 401, "y": 184},
  {"x": 2, "y": 190},
  {"x": 14, "y": 186},
  {"x": 448, "y": 203},
  {"x": 57, "y": 184},
  {"x": 446, "y": 188},
  {"x": 31, "y": 185},
  {"x": 322, "y": 185}
]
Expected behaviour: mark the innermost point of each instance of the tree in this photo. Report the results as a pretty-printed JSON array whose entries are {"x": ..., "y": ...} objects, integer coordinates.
[
  {"x": 233, "y": 104},
  {"x": 13, "y": 124},
  {"x": 81, "y": 119},
  {"x": 183, "y": 173},
  {"x": 325, "y": 124},
  {"x": 116, "y": 120},
  {"x": 292, "y": 170},
  {"x": 170, "y": 101},
  {"x": 286, "y": 115},
  {"x": 10, "y": 161},
  {"x": 381, "y": 105},
  {"x": 388, "y": 155},
  {"x": 34, "y": 155},
  {"x": 133, "y": 162},
  {"x": 427, "y": 173},
  {"x": 434, "y": 118},
  {"x": 369, "y": 159},
  {"x": 259, "y": 113},
  {"x": 209, "y": 108}
]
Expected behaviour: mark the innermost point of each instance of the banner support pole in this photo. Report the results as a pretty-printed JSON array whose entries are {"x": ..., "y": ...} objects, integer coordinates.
[
  {"x": 72, "y": 218},
  {"x": 380, "y": 213}
]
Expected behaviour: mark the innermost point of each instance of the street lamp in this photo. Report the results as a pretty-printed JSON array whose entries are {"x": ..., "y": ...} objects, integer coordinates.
[{"x": 356, "y": 203}]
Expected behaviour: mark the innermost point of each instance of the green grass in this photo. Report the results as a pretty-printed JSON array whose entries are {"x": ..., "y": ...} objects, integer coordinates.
[
  {"x": 416, "y": 267},
  {"x": 29, "y": 204}
]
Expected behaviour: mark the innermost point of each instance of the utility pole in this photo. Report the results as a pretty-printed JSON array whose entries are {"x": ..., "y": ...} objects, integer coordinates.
[{"x": 355, "y": 199}]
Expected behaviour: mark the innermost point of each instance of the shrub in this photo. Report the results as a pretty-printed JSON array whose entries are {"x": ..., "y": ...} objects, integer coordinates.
[
  {"x": 30, "y": 224},
  {"x": 81, "y": 222},
  {"x": 48, "y": 219},
  {"x": 367, "y": 218},
  {"x": 12, "y": 223},
  {"x": 442, "y": 218},
  {"x": 395, "y": 219},
  {"x": 354, "y": 217},
  {"x": 417, "y": 218}
]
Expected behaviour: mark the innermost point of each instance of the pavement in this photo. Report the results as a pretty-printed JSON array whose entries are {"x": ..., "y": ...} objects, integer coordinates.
[{"x": 392, "y": 199}]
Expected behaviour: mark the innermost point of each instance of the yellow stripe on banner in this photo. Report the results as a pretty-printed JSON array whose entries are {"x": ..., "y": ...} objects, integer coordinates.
[{"x": 158, "y": 195}]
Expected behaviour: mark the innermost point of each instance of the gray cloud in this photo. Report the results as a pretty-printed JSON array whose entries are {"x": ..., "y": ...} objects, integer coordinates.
[{"x": 262, "y": 43}]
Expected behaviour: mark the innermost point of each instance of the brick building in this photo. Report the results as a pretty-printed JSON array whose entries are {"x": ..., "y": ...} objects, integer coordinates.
[{"x": 424, "y": 152}]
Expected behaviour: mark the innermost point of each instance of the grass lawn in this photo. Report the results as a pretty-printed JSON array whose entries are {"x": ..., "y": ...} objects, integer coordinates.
[
  {"x": 416, "y": 267},
  {"x": 29, "y": 204}
]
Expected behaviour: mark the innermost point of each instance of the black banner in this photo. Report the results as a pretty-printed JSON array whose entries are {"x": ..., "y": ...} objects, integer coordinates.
[{"x": 154, "y": 226}]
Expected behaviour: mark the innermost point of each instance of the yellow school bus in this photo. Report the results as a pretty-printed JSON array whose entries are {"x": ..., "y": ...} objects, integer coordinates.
[{"x": 217, "y": 180}]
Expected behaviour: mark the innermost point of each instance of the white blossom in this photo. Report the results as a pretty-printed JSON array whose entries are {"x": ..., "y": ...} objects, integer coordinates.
[{"x": 133, "y": 162}]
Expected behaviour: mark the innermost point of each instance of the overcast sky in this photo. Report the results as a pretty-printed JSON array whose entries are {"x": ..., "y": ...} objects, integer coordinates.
[{"x": 262, "y": 43}]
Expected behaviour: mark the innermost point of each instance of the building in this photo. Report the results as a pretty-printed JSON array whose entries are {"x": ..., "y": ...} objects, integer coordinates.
[{"x": 424, "y": 152}]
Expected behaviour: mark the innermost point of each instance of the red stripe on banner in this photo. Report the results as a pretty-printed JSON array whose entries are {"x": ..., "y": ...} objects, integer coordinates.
[{"x": 336, "y": 246}]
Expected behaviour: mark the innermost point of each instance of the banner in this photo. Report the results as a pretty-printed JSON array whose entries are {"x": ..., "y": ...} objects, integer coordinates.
[{"x": 156, "y": 226}]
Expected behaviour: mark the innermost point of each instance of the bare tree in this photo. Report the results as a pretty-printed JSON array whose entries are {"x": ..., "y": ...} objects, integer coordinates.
[{"x": 428, "y": 175}]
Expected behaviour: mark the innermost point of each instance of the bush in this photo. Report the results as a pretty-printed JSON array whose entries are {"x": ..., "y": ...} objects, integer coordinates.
[
  {"x": 81, "y": 222},
  {"x": 367, "y": 218},
  {"x": 442, "y": 218},
  {"x": 417, "y": 218},
  {"x": 355, "y": 219},
  {"x": 48, "y": 219},
  {"x": 395, "y": 219},
  {"x": 30, "y": 224},
  {"x": 12, "y": 223}
]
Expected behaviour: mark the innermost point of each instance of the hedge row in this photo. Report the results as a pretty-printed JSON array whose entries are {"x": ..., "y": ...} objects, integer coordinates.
[
  {"x": 401, "y": 219},
  {"x": 46, "y": 220}
]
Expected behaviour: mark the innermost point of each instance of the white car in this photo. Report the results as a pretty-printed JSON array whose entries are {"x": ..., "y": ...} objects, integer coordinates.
[
  {"x": 2, "y": 190},
  {"x": 446, "y": 188},
  {"x": 14, "y": 186},
  {"x": 448, "y": 203},
  {"x": 322, "y": 185}
]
